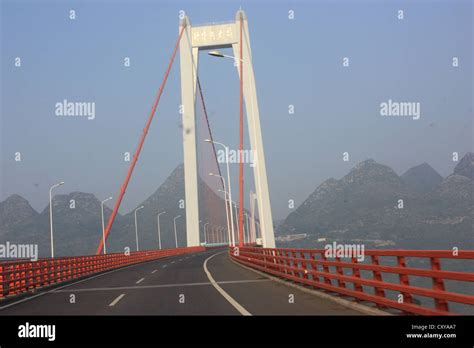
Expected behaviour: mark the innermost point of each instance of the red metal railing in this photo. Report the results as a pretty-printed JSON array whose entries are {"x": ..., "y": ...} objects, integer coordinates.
[
  {"x": 312, "y": 268},
  {"x": 17, "y": 277}
]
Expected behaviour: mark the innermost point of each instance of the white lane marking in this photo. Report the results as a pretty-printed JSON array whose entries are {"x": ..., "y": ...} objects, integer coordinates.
[
  {"x": 84, "y": 280},
  {"x": 172, "y": 261},
  {"x": 140, "y": 280},
  {"x": 114, "y": 302},
  {"x": 75, "y": 283},
  {"x": 233, "y": 302},
  {"x": 164, "y": 266},
  {"x": 154, "y": 271},
  {"x": 180, "y": 260},
  {"x": 177, "y": 285}
]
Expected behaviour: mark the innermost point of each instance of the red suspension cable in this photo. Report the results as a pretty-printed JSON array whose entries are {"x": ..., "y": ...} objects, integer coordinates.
[{"x": 139, "y": 147}]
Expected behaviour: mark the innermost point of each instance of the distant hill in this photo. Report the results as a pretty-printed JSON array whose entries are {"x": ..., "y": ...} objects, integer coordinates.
[
  {"x": 422, "y": 178},
  {"x": 465, "y": 166},
  {"x": 363, "y": 206},
  {"x": 165, "y": 198},
  {"x": 78, "y": 226},
  {"x": 15, "y": 210},
  {"x": 347, "y": 205}
]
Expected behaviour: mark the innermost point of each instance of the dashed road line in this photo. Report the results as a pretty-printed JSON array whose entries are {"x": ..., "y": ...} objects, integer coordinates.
[
  {"x": 154, "y": 271},
  {"x": 140, "y": 280},
  {"x": 75, "y": 283},
  {"x": 174, "y": 285},
  {"x": 114, "y": 302}
]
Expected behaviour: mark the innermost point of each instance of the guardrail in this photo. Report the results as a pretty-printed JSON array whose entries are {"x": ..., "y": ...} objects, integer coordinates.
[
  {"x": 312, "y": 268},
  {"x": 17, "y": 277}
]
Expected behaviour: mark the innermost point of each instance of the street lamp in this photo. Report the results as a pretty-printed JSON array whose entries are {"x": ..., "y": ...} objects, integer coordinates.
[
  {"x": 136, "y": 228},
  {"x": 228, "y": 182},
  {"x": 175, "y": 234},
  {"x": 248, "y": 230},
  {"x": 51, "y": 215},
  {"x": 199, "y": 228},
  {"x": 253, "y": 233},
  {"x": 216, "y": 53},
  {"x": 236, "y": 214},
  {"x": 230, "y": 239},
  {"x": 225, "y": 199},
  {"x": 205, "y": 232},
  {"x": 159, "y": 233},
  {"x": 222, "y": 234},
  {"x": 103, "y": 225}
]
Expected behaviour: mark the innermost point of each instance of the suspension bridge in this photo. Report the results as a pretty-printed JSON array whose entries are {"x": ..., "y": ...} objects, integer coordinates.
[{"x": 235, "y": 269}]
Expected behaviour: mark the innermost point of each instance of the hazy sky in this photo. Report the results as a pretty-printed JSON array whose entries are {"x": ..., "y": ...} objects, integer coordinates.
[{"x": 298, "y": 62}]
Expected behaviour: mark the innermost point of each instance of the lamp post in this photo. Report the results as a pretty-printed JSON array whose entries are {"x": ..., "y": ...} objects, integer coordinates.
[
  {"x": 51, "y": 215},
  {"x": 205, "y": 232},
  {"x": 241, "y": 230},
  {"x": 228, "y": 183},
  {"x": 236, "y": 214},
  {"x": 158, "y": 223},
  {"x": 248, "y": 230},
  {"x": 103, "y": 225},
  {"x": 199, "y": 228},
  {"x": 222, "y": 235},
  {"x": 175, "y": 234},
  {"x": 225, "y": 199},
  {"x": 230, "y": 239},
  {"x": 253, "y": 198},
  {"x": 136, "y": 227}
]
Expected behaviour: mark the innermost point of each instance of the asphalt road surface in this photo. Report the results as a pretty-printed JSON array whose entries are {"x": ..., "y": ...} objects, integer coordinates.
[{"x": 206, "y": 283}]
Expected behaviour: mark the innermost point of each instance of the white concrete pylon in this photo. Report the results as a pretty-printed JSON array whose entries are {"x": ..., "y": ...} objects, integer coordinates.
[{"x": 211, "y": 37}]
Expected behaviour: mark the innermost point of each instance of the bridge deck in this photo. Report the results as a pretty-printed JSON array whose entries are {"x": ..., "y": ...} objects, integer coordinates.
[{"x": 154, "y": 288}]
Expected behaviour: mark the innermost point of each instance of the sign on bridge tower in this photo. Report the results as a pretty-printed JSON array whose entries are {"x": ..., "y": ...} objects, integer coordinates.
[{"x": 210, "y": 37}]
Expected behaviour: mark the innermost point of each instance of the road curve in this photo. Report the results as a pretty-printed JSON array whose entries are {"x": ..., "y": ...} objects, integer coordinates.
[{"x": 205, "y": 283}]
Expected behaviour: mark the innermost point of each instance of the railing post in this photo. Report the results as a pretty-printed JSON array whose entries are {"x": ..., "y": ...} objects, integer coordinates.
[
  {"x": 340, "y": 271},
  {"x": 404, "y": 280},
  {"x": 314, "y": 267},
  {"x": 1, "y": 281},
  {"x": 264, "y": 260},
  {"x": 291, "y": 257},
  {"x": 279, "y": 261},
  {"x": 325, "y": 269},
  {"x": 377, "y": 276},
  {"x": 356, "y": 273},
  {"x": 303, "y": 264},
  {"x": 438, "y": 284}
]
